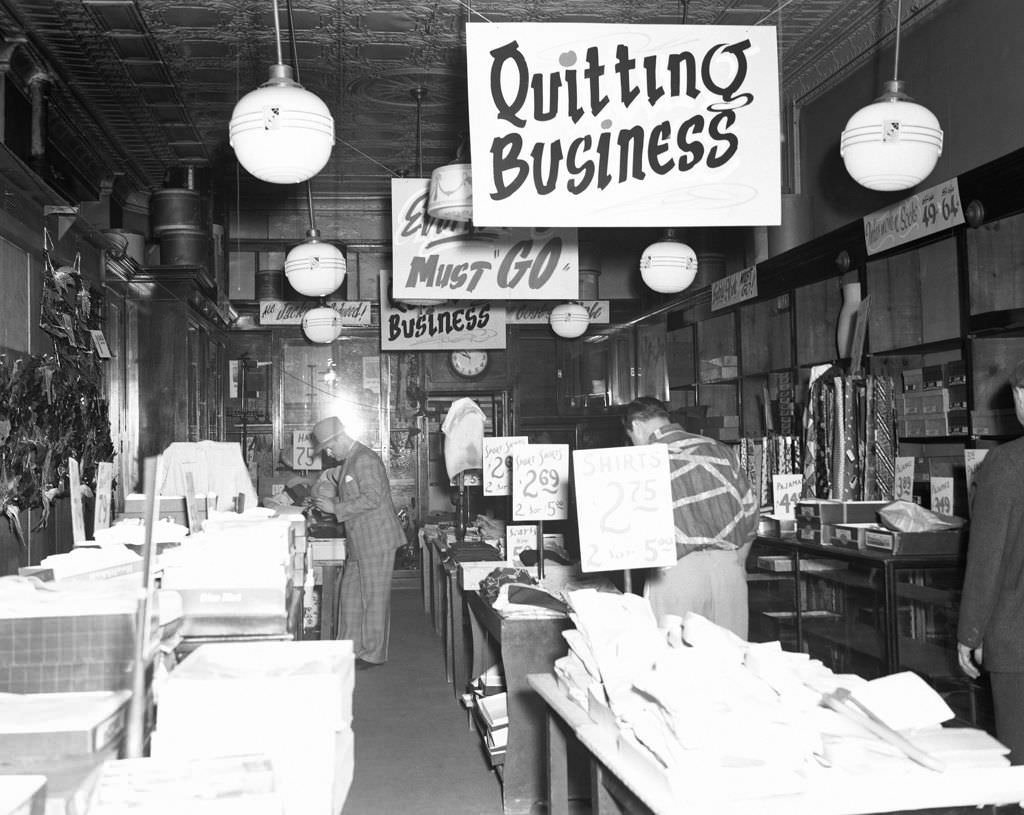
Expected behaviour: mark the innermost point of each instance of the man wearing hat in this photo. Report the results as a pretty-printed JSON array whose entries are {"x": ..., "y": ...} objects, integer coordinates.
[{"x": 358, "y": 494}]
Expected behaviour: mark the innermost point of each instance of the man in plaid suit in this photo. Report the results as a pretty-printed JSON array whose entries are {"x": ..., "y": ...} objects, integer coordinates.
[
  {"x": 715, "y": 520},
  {"x": 358, "y": 494}
]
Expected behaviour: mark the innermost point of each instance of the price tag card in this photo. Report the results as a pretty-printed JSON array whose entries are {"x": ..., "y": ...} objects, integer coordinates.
[
  {"x": 517, "y": 538},
  {"x": 540, "y": 482},
  {"x": 942, "y": 495},
  {"x": 903, "y": 486},
  {"x": 923, "y": 213},
  {"x": 624, "y": 507},
  {"x": 785, "y": 493},
  {"x": 972, "y": 460},
  {"x": 497, "y": 456},
  {"x": 302, "y": 452}
]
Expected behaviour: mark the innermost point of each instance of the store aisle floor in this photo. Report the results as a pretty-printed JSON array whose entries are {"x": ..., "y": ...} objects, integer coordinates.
[{"x": 415, "y": 752}]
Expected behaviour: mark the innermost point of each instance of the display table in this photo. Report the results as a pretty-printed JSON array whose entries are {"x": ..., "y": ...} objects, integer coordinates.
[
  {"x": 621, "y": 783},
  {"x": 522, "y": 647}
]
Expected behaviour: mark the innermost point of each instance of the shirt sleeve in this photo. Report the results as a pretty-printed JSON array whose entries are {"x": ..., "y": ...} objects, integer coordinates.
[
  {"x": 363, "y": 488},
  {"x": 990, "y": 521}
]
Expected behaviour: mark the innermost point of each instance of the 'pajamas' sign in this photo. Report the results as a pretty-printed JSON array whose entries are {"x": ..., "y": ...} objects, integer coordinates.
[{"x": 609, "y": 125}]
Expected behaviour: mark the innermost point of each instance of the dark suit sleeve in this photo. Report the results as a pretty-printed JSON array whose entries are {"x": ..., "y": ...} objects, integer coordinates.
[
  {"x": 995, "y": 494},
  {"x": 363, "y": 487}
]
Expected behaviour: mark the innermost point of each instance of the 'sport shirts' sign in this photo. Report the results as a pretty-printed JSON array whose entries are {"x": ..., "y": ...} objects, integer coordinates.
[{"x": 609, "y": 125}]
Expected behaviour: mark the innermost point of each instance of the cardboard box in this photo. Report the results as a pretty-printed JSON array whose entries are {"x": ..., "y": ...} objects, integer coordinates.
[
  {"x": 171, "y": 506},
  {"x": 954, "y": 372},
  {"x": 941, "y": 542},
  {"x": 327, "y": 549},
  {"x": 932, "y": 377},
  {"x": 862, "y": 512},
  {"x": 52, "y": 724},
  {"x": 850, "y": 536},
  {"x": 22, "y": 794},
  {"x": 910, "y": 403},
  {"x": 995, "y": 422},
  {"x": 936, "y": 425},
  {"x": 935, "y": 401},
  {"x": 913, "y": 380},
  {"x": 823, "y": 510},
  {"x": 958, "y": 422}
]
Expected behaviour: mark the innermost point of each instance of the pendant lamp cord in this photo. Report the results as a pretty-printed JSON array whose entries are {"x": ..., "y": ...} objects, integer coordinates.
[
  {"x": 277, "y": 34},
  {"x": 298, "y": 79},
  {"x": 418, "y": 95},
  {"x": 899, "y": 20}
]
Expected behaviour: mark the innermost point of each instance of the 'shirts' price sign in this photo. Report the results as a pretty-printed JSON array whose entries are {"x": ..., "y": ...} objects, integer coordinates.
[
  {"x": 497, "y": 455},
  {"x": 903, "y": 486},
  {"x": 785, "y": 493},
  {"x": 942, "y": 495},
  {"x": 624, "y": 508},
  {"x": 540, "y": 482}
]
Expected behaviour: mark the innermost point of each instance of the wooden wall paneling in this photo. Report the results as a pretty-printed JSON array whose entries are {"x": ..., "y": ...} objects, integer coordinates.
[
  {"x": 680, "y": 356},
  {"x": 817, "y": 308},
  {"x": 995, "y": 253},
  {"x": 765, "y": 336},
  {"x": 993, "y": 360},
  {"x": 534, "y": 372},
  {"x": 939, "y": 290},
  {"x": 895, "y": 317}
]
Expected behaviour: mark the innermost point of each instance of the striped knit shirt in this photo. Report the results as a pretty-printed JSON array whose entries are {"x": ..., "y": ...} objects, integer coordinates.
[{"x": 713, "y": 505}]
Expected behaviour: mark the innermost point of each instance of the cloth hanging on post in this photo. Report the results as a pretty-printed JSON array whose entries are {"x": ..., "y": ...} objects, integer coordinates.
[{"x": 463, "y": 429}]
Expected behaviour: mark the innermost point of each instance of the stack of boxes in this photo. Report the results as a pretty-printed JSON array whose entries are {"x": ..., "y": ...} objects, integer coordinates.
[
  {"x": 835, "y": 523},
  {"x": 290, "y": 701},
  {"x": 725, "y": 368},
  {"x": 934, "y": 401}
]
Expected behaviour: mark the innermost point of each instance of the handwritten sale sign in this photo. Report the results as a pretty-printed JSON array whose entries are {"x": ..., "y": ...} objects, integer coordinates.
[
  {"x": 303, "y": 457},
  {"x": 462, "y": 261},
  {"x": 624, "y": 505},
  {"x": 496, "y": 459},
  {"x": 924, "y": 213},
  {"x": 280, "y": 312},
  {"x": 540, "y": 482},
  {"x": 590, "y": 124},
  {"x": 733, "y": 289},
  {"x": 438, "y": 328}
]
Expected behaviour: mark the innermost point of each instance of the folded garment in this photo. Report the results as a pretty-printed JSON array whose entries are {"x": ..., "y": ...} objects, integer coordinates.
[
  {"x": 529, "y": 557},
  {"x": 529, "y": 596}
]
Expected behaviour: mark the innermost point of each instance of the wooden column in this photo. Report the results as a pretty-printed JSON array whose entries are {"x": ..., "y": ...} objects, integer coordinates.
[{"x": 39, "y": 86}]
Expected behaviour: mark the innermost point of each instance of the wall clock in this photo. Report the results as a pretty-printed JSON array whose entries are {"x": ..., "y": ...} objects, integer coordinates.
[{"x": 469, "y": 364}]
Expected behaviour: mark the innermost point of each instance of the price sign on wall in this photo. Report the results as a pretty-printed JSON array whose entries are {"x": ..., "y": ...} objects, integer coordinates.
[
  {"x": 497, "y": 452},
  {"x": 302, "y": 452},
  {"x": 942, "y": 495},
  {"x": 540, "y": 482},
  {"x": 903, "y": 486},
  {"x": 785, "y": 493},
  {"x": 624, "y": 502}
]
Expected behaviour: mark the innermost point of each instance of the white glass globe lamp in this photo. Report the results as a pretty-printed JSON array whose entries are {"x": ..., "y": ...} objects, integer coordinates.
[
  {"x": 281, "y": 132},
  {"x": 893, "y": 143},
  {"x": 569, "y": 320},
  {"x": 321, "y": 324},
  {"x": 451, "y": 193},
  {"x": 315, "y": 268},
  {"x": 668, "y": 266}
]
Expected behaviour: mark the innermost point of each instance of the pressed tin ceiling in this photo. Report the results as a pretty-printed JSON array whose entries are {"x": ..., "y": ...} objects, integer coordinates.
[{"x": 152, "y": 83}]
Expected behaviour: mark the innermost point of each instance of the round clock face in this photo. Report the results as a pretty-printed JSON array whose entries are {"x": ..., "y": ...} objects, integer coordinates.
[{"x": 468, "y": 364}]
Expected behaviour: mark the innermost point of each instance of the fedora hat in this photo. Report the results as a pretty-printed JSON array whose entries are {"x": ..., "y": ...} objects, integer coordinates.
[{"x": 325, "y": 431}]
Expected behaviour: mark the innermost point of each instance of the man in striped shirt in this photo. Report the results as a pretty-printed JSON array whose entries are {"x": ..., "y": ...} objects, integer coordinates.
[{"x": 715, "y": 519}]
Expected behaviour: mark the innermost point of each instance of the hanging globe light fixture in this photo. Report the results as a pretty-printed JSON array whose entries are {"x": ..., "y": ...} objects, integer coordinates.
[
  {"x": 893, "y": 143},
  {"x": 668, "y": 266},
  {"x": 321, "y": 324},
  {"x": 314, "y": 268},
  {"x": 281, "y": 133},
  {"x": 569, "y": 320}
]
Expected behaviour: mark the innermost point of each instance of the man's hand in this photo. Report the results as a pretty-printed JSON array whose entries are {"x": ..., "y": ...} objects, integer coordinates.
[{"x": 969, "y": 659}]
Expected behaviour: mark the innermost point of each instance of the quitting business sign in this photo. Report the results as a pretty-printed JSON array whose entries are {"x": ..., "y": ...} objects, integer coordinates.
[
  {"x": 449, "y": 260},
  {"x": 609, "y": 125}
]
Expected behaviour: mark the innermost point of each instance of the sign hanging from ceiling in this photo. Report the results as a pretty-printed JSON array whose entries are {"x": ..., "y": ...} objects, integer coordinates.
[
  {"x": 608, "y": 125},
  {"x": 449, "y": 260},
  {"x": 447, "y": 326}
]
